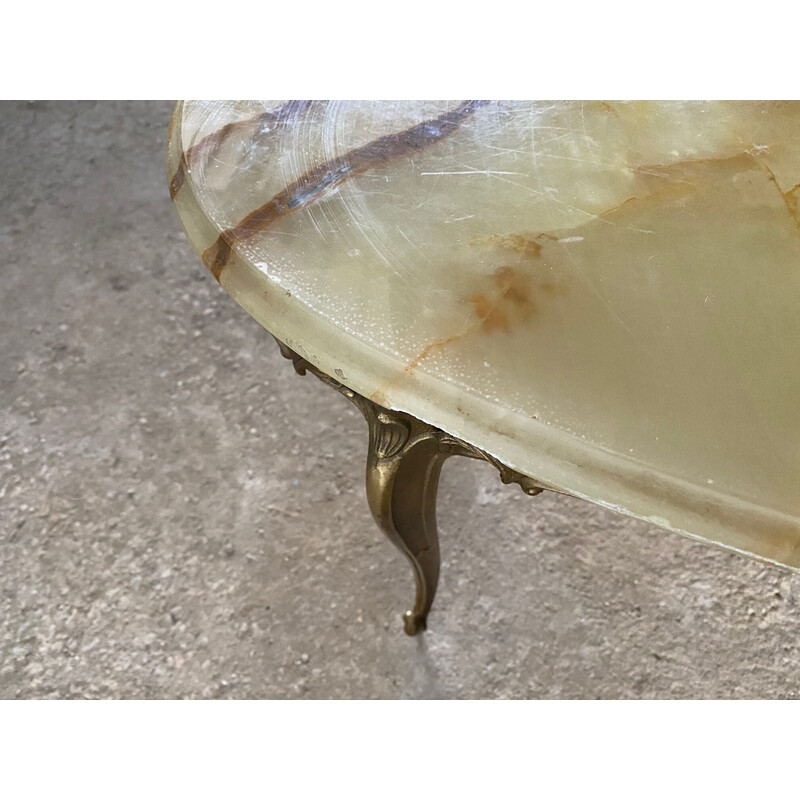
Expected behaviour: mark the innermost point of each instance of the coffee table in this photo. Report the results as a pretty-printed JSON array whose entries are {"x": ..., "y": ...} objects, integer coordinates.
[{"x": 600, "y": 299}]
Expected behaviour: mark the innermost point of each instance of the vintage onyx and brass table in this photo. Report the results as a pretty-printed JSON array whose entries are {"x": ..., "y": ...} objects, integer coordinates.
[{"x": 599, "y": 299}]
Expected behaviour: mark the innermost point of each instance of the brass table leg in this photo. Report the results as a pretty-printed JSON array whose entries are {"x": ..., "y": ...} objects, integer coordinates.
[{"x": 403, "y": 465}]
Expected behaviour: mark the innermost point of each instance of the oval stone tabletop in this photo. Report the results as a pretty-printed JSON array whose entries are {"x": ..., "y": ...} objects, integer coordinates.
[{"x": 604, "y": 296}]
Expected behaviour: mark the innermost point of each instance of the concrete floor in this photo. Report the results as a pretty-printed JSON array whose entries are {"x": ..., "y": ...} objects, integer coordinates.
[{"x": 182, "y": 516}]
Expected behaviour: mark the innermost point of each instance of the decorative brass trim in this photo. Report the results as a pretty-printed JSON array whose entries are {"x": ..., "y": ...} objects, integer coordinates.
[{"x": 404, "y": 461}]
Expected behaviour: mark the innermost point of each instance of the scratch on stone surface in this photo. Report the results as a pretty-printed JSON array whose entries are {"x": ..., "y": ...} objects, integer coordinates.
[
  {"x": 416, "y": 247},
  {"x": 514, "y": 151},
  {"x": 519, "y": 185},
  {"x": 581, "y": 160},
  {"x": 327, "y": 176},
  {"x": 290, "y": 110},
  {"x": 474, "y": 172},
  {"x": 606, "y": 303}
]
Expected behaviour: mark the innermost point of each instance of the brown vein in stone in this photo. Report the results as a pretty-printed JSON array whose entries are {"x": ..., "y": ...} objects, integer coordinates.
[
  {"x": 330, "y": 174},
  {"x": 789, "y": 198},
  {"x": 178, "y": 178},
  {"x": 284, "y": 113},
  {"x": 491, "y": 311},
  {"x": 512, "y": 294},
  {"x": 608, "y": 107},
  {"x": 379, "y": 395},
  {"x": 529, "y": 247},
  {"x": 663, "y": 170},
  {"x": 679, "y": 187},
  {"x": 748, "y": 157},
  {"x": 509, "y": 303}
]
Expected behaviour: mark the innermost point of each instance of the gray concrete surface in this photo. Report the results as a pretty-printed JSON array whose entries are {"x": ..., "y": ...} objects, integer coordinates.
[{"x": 182, "y": 516}]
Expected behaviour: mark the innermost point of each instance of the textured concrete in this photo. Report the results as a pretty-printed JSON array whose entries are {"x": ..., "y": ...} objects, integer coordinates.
[{"x": 182, "y": 516}]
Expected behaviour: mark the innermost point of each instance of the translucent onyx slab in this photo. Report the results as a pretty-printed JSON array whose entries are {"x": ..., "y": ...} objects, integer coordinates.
[{"x": 604, "y": 296}]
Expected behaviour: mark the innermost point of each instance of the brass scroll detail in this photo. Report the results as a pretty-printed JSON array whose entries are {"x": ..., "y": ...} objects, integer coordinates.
[{"x": 403, "y": 465}]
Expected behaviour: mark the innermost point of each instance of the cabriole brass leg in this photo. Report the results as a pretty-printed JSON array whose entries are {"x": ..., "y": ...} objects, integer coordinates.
[{"x": 403, "y": 465}]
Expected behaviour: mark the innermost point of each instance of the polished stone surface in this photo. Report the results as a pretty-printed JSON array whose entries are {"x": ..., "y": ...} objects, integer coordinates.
[
  {"x": 603, "y": 295},
  {"x": 182, "y": 516}
]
